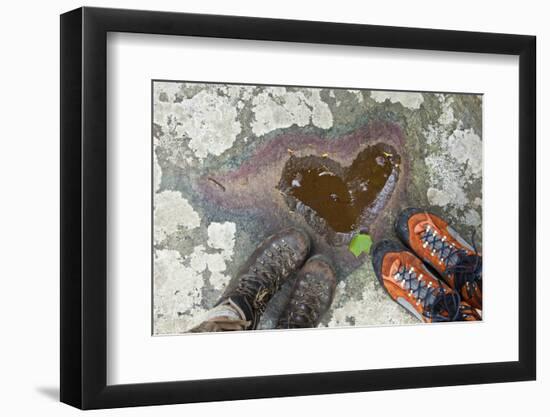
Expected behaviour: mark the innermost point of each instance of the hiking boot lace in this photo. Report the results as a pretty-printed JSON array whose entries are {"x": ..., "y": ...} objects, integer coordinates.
[
  {"x": 466, "y": 268},
  {"x": 438, "y": 245},
  {"x": 263, "y": 278},
  {"x": 310, "y": 306},
  {"x": 467, "y": 271},
  {"x": 437, "y": 304}
]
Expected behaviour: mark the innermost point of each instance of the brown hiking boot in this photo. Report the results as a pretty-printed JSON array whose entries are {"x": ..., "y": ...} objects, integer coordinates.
[
  {"x": 311, "y": 296},
  {"x": 409, "y": 283},
  {"x": 439, "y": 245},
  {"x": 273, "y": 261}
]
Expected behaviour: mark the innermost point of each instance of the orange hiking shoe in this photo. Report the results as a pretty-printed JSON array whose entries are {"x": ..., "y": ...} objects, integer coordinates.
[
  {"x": 409, "y": 283},
  {"x": 433, "y": 240}
]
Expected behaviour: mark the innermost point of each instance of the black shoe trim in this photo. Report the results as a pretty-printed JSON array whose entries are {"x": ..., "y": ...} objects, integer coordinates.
[
  {"x": 379, "y": 249},
  {"x": 401, "y": 225}
]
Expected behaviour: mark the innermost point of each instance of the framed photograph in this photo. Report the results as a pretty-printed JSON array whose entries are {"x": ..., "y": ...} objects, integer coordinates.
[{"x": 258, "y": 208}]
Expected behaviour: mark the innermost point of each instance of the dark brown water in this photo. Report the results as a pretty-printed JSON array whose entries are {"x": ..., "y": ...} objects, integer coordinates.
[{"x": 340, "y": 195}]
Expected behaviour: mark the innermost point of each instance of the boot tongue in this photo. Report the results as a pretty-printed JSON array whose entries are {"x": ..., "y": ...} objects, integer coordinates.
[
  {"x": 395, "y": 267},
  {"x": 421, "y": 226}
]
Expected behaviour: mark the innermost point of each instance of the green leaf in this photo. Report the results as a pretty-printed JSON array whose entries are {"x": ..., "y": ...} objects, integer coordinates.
[{"x": 360, "y": 243}]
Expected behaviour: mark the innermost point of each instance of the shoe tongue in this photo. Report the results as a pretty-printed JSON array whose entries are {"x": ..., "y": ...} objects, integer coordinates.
[
  {"x": 420, "y": 227},
  {"x": 395, "y": 267}
]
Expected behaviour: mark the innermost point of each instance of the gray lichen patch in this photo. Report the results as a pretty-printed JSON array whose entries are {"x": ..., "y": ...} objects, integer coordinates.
[
  {"x": 406, "y": 98},
  {"x": 218, "y": 156},
  {"x": 453, "y": 161},
  {"x": 361, "y": 301},
  {"x": 181, "y": 282},
  {"x": 207, "y": 121},
  {"x": 276, "y": 108},
  {"x": 172, "y": 212}
]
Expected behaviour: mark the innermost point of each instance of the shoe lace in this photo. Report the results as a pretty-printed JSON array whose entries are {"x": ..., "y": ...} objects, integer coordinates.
[
  {"x": 437, "y": 304},
  {"x": 438, "y": 245},
  {"x": 263, "y": 278},
  {"x": 310, "y": 305},
  {"x": 466, "y": 268}
]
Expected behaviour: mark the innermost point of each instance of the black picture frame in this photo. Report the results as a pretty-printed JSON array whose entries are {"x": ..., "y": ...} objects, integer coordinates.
[{"x": 84, "y": 207}]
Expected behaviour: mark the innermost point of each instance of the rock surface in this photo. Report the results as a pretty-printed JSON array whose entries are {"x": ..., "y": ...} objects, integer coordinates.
[{"x": 218, "y": 155}]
